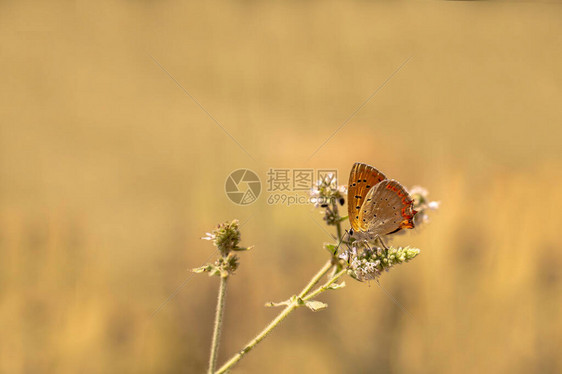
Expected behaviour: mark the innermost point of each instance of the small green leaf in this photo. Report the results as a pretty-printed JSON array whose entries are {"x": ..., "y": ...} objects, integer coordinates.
[
  {"x": 330, "y": 248},
  {"x": 209, "y": 268},
  {"x": 316, "y": 305},
  {"x": 241, "y": 249},
  {"x": 335, "y": 286},
  {"x": 201, "y": 269}
]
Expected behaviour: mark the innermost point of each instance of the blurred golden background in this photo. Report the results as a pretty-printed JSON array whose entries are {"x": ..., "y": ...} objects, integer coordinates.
[{"x": 110, "y": 173}]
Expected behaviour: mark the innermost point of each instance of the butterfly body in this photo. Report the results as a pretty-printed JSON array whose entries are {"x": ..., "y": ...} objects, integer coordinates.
[{"x": 377, "y": 206}]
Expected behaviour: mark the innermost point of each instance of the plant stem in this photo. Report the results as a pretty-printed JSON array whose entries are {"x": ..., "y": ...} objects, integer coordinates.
[
  {"x": 294, "y": 304},
  {"x": 280, "y": 317},
  {"x": 325, "y": 286},
  {"x": 218, "y": 325},
  {"x": 338, "y": 223},
  {"x": 327, "y": 266}
]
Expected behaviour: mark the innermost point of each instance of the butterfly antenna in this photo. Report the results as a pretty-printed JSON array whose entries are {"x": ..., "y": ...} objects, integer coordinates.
[
  {"x": 396, "y": 302},
  {"x": 339, "y": 243},
  {"x": 347, "y": 242}
]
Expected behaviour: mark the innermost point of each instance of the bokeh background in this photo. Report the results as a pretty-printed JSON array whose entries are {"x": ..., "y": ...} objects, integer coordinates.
[{"x": 110, "y": 173}]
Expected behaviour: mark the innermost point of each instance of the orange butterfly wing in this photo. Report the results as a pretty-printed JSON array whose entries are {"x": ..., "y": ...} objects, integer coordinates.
[{"x": 362, "y": 178}]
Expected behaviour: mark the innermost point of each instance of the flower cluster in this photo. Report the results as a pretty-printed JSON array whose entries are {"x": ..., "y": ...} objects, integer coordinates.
[
  {"x": 327, "y": 194},
  {"x": 367, "y": 263},
  {"x": 226, "y": 238},
  {"x": 327, "y": 191},
  {"x": 422, "y": 204},
  {"x": 221, "y": 267}
]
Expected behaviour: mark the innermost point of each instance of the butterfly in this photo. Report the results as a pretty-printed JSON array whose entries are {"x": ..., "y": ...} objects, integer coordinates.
[{"x": 377, "y": 206}]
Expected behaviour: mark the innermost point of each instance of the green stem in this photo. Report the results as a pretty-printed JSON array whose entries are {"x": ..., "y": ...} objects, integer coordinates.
[
  {"x": 338, "y": 223},
  {"x": 294, "y": 304},
  {"x": 327, "y": 266},
  {"x": 325, "y": 286},
  {"x": 280, "y": 317},
  {"x": 218, "y": 325}
]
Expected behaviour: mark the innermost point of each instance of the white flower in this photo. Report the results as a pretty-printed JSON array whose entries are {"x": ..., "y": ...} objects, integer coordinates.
[
  {"x": 344, "y": 256},
  {"x": 314, "y": 192},
  {"x": 355, "y": 264},
  {"x": 370, "y": 267},
  {"x": 422, "y": 205},
  {"x": 419, "y": 190},
  {"x": 434, "y": 205},
  {"x": 209, "y": 236}
]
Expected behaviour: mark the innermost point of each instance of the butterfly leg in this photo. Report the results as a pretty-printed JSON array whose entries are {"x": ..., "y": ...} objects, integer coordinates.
[
  {"x": 366, "y": 245},
  {"x": 381, "y": 241}
]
